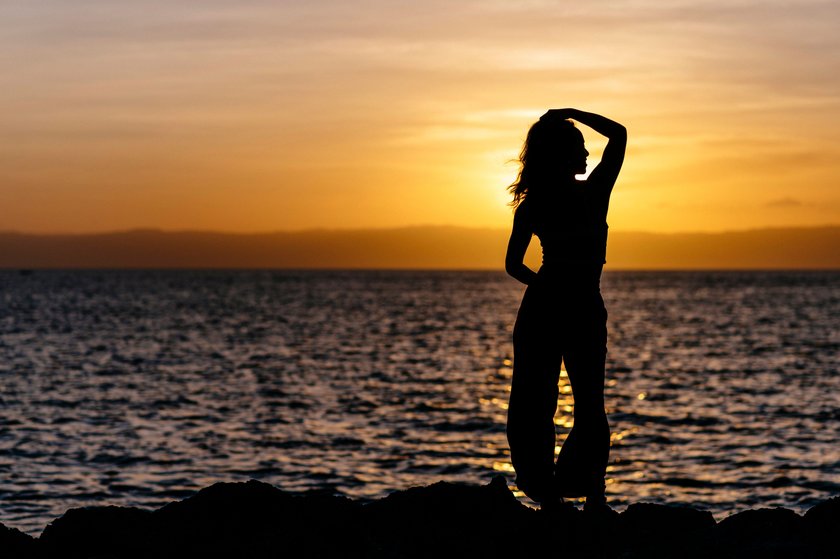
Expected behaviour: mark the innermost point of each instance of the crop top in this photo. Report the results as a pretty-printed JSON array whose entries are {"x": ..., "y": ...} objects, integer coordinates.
[{"x": 570, "y": 222}]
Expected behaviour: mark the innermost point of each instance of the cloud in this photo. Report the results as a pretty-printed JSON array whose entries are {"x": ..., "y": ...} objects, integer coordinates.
[{"x": 784, "y": 203}]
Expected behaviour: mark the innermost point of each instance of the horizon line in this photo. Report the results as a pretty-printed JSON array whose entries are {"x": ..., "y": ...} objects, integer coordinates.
[
  {"x": 500, "y": 269},
  {"x": 383, "y": 229}
]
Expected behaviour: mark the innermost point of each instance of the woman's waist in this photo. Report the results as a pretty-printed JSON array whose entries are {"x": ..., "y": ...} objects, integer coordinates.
[
  {"x": 574, "y": 249},
  {"x": 567, "y": 271}
]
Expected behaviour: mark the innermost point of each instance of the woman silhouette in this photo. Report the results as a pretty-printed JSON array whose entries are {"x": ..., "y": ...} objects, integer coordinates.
[{"x": 562, "y": 315}]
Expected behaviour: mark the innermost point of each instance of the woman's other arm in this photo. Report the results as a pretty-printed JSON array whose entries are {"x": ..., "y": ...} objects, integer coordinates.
[{"x": 520, "y": 238}]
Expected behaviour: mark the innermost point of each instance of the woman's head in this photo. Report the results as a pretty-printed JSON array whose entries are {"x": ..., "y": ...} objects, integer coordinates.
[{"x": 554, "y": 151}]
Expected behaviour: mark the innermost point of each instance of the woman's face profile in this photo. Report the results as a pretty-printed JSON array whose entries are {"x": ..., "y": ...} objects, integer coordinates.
[
  {"x": 571, "y": 152},
  {"x": 576, "y": 154}
]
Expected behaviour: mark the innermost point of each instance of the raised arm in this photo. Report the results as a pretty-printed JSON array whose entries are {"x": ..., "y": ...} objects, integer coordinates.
[
  {"x": 520, "y": 238},
  {"x": 607, "y": 171}
]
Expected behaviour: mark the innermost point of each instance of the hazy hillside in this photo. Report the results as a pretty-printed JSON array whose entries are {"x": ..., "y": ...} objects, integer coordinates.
[{"x": 411, "y": 247}]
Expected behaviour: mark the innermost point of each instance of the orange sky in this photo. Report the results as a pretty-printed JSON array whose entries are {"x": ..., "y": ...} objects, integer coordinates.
[{"x": 259, "y": 116}]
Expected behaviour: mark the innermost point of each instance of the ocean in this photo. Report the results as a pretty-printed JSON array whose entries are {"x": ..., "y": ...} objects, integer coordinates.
[{"x": 140, "y": 387}]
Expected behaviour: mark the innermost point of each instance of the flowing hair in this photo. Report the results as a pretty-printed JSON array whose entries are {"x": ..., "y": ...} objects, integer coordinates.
[{"x": 547, "y": 141}]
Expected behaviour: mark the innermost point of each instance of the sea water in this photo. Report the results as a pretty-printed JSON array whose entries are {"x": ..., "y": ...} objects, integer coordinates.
[{"x": 140, "y": 387}]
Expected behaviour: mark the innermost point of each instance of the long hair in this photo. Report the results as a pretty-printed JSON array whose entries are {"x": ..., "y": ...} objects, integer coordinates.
[{"x": 542, "y": 153}]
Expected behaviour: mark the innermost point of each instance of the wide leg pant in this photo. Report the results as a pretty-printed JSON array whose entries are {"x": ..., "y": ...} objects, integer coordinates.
[{"x": 557, "y": 323}]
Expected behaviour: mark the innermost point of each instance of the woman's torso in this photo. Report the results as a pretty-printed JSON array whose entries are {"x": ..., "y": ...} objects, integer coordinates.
[{"x": 570, "y": 222}]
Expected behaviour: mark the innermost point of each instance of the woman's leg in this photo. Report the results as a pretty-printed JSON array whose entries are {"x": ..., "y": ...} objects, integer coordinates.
[
  {"x": 581, "y": 466},
  {"x": 533, "y": 399}
]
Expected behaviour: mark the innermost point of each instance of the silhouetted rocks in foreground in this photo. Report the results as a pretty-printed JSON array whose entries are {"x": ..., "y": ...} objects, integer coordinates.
[
  {"x": 14, "y": 543},
  {"x": 254, "y": 519}
]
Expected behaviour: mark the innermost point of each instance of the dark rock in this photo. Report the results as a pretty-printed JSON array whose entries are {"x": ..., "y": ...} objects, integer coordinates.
[
  {"x": 96, "y": 531},
  {"x": 643, "y": 520},
  {"x": 672, "y": 530},
  {"x": 762, "y": 523},
  {"x": 255, "y": 519},
  {"x": 592, "y": 533},
  {"x": 824, "y": 517},
  {"x": 14, "y": 543},
  {"x": 822, "y": 524},
  {"x": 444, "y": 501},
  {"x": 764, "y": 533},
  {"x": 449, "y": 520}
]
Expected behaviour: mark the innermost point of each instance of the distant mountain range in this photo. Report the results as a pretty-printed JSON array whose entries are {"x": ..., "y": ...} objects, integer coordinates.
[{"x": 438, "y": 247}]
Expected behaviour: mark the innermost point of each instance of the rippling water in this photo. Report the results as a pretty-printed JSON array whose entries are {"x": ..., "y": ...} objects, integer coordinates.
[{"x": 139, "y": 387}]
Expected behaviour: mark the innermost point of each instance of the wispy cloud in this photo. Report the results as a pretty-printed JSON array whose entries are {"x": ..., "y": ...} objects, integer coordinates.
[
  {"x": 784, "y": 203},
  {"x": 246, "y": 97}
]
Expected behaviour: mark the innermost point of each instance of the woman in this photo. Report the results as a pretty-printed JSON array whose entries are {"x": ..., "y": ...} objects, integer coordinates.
[{"x": 562, "y": 315}]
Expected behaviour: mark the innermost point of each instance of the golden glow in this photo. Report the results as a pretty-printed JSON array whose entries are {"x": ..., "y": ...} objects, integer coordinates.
[
  {"x": 503, "y": 467},
  {"x": 497, "y": 402},
  {"x": 622, "y": 434},
  {"x": 565, "y": 421},
  {"x": 275, "y": 116}
]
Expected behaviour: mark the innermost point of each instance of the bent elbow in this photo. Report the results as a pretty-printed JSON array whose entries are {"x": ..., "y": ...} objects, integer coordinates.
[
  {"x": 511, "y": 268},
  {"x": 622, "y": 132}
]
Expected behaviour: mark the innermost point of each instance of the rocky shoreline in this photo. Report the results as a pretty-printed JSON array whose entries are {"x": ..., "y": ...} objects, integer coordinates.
[{"x": 254, "y": 519}]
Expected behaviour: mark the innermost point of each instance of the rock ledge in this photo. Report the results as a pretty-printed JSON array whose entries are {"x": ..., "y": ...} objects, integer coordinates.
[{"x": 256, "y": 520}]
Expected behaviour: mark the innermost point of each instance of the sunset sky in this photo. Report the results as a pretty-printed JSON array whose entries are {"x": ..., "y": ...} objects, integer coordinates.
[{"x": 245, "y": 116}]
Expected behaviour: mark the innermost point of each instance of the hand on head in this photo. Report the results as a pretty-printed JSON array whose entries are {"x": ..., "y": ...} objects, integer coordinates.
[{"x": 557, "y": 114}]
